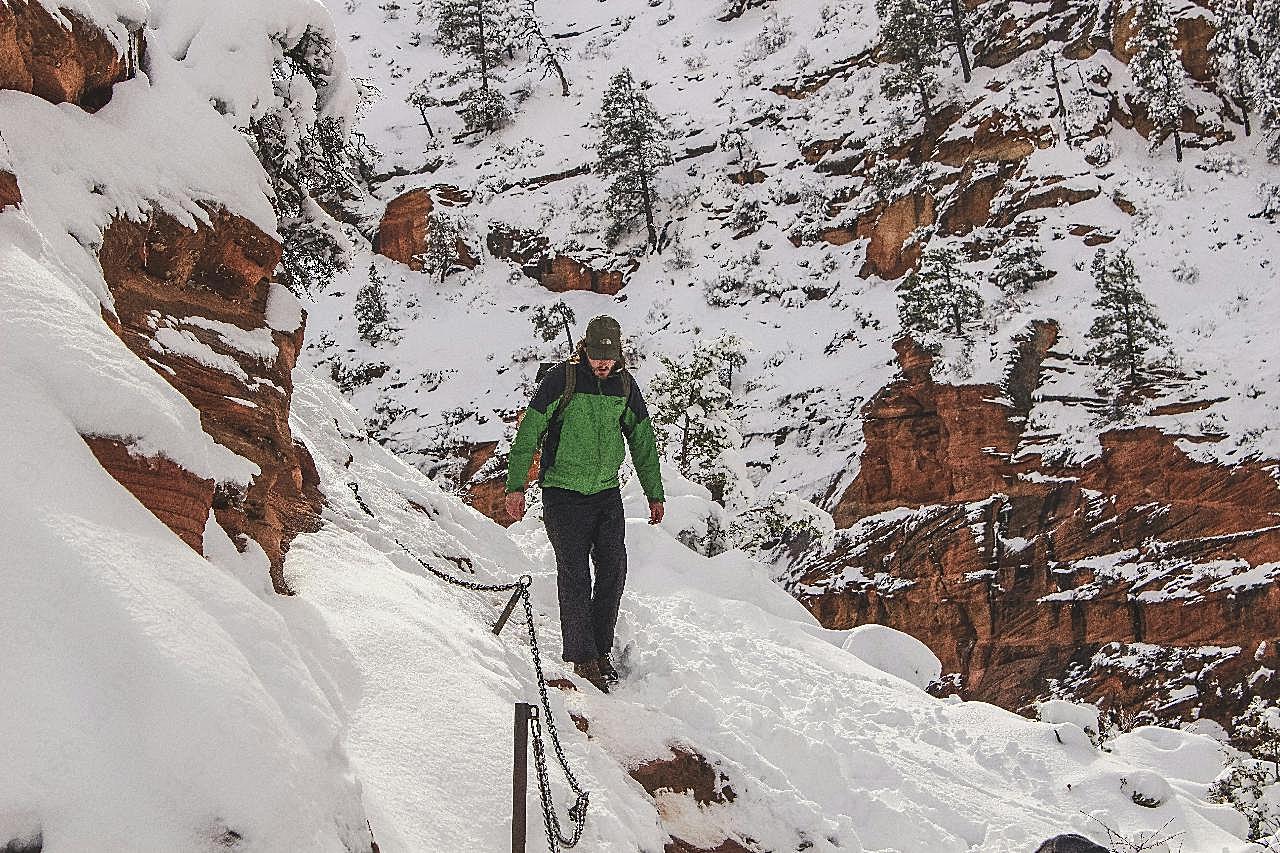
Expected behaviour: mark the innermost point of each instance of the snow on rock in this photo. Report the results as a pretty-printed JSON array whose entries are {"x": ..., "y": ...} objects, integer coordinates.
[
  {"x": 148, "y": 701},
  {"x": 1080, "y": 714},
  {"x": 895, "y": 653},
  {"x": 52, "y": 335}
]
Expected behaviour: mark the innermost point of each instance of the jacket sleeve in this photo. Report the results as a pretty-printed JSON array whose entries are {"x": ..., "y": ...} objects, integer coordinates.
[
  {"x": 638, "y": 429},
  {"x": 532, "y": 427}
]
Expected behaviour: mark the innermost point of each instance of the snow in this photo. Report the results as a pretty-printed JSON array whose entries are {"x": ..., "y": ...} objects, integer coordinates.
[
  {"x": 256, "y": 342},
  {"x": 895, "y": 653},
  {"x": 185, "y": 344},
  {"x": 148, "y": 702},
  {"x": 52, "y": 338},
  {"x": 1082, "y": 715},
  {"x": 284, "y": 310}
]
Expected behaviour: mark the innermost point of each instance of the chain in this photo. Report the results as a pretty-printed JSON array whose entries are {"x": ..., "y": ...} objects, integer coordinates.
[
  {"x": 550, "y": 818},
  {"x": 524, "y": 580},
  {"x": 578, "y": 812}
]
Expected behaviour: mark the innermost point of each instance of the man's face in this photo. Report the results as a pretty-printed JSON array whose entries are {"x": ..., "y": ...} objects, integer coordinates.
[{"x": 601, "y": 366}]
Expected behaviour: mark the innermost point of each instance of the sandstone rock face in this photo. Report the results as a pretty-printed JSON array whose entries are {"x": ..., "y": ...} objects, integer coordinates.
[
  {"x": 402, "y": 234},
  {"x": 1018, "y": 573},
  {"x": 173, "y": 494},
  {"x": 889, "y": 227},
  {"x": 557, "y": 271},
  {"x": 687, "y": 771},
  {"x": 10, "y": 192},
  {"x": 67, "y": 61},
  {"x": 192, "y": 304}
]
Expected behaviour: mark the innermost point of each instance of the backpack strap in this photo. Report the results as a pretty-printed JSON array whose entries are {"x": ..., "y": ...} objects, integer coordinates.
[{"x": 570, "y": 383}]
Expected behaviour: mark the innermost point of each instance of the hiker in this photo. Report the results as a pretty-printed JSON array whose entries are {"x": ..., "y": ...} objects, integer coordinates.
[{"x": 585, "y": 407}]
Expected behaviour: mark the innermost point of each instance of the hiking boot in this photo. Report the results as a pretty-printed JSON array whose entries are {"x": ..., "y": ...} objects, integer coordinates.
[
  {"x": 591, "y": 672},
  {"x": 607, "y": 671}
]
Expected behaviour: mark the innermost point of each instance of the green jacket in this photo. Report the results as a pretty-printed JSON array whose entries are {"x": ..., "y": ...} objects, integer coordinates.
[{"x": 584, "y": 448}]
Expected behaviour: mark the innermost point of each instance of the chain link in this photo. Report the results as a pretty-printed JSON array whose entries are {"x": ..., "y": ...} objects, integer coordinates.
[{"x": 550, "y": 817}]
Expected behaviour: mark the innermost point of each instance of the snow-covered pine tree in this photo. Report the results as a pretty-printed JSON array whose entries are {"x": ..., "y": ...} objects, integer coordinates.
[
  {"x": 550, "y": 320},
  {"x": 421, "y": 99},
  {"x": 373, "y": 320},
  {"x": 1126, "y": 327},
  {"x": 543, "y": 51},
  {"x": 441, "y": 252},
  {"x": 1019, "y": 267},
  {"x": 1265, "y": 72},
  {"x": 483, "y": 110},
  {"x": 477, "y": 31},
  {"x": 912, "y": 37},
  {"x": 632, "y": 148},
  {"x": 958, "y": 27},
  {"x": 307, "y": 156},
  {"x": 692, "y": 412},
  {"x": 1157, "y": 72},
  {"x": 940, "y": 298},
  {"x": 1233, "y": 53}
]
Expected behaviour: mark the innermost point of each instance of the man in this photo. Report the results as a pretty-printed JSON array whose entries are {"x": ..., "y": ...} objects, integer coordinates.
[{"x": 586, "y": 408}]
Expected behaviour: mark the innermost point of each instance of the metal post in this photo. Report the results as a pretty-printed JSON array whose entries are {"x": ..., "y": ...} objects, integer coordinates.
[
  {"x": 520, "y": 777},
  {"x": 506, "y": 613},
  {"x": 524, "y": 583}
]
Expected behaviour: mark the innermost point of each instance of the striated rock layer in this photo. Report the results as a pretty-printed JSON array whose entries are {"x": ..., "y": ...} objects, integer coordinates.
[
  {"x": 1142, "y": 579},
  {"x": 194, "y": 305}
]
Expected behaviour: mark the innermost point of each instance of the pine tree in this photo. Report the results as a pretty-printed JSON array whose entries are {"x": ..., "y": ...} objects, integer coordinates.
[
  {"x": 477, "y": 31},
  {"x": 474, "y": 29},
  {"x": 421, "y": 99},
  {"x": 1158, "y": 74},
  {"x": 1019, "y": 267},
  {"x": 373, "y": 321},
  {"x": 543, "y": 51},
  {"x": 913, "y": 38},
  {"x": 550, "y": 320},
  {"x": 307, "y": 157},
  {"x": 441, "y": 252},
  {"x": 941, "y": 298},
  {"x": 1127, "y": 327},
  {"x": 632, "y": 148},
  {"x": 1265, "y": 72},
  {"x": 960, "y": 20},
  {"x": 1233, "y": 57},
  {"x": 483, "y": 109},
  {"x": 692, "y": 410}
]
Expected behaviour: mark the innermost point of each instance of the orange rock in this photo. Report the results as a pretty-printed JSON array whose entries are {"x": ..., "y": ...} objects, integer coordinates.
[
  {"x": 10, "y": 192},
  {"x": 403, "y": 232},
  {"x": 889, "y": 227},
  {"x": 160, "y": 273},
  {"x": 173, "y": 494},
  {"x": 557, "y": 272},
  {"x": 71, "y": 62}
]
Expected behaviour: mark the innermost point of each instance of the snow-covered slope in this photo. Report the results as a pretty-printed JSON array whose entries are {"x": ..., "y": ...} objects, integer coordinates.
[{"x": 798, "y": 80}]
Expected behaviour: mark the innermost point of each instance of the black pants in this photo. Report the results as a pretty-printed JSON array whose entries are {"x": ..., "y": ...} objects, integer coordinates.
[{"x": 581, "y": 526}]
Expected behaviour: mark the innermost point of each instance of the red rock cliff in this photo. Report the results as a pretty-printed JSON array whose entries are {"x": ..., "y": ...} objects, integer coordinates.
[
  {"x": 1142, "y": 578},
  {"x": 192, "y": 304}
]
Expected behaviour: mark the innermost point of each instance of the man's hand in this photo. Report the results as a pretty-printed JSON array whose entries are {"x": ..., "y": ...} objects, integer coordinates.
[
  {"x": 656, "y": 511},
  {"x": 515, "y": 505}
]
